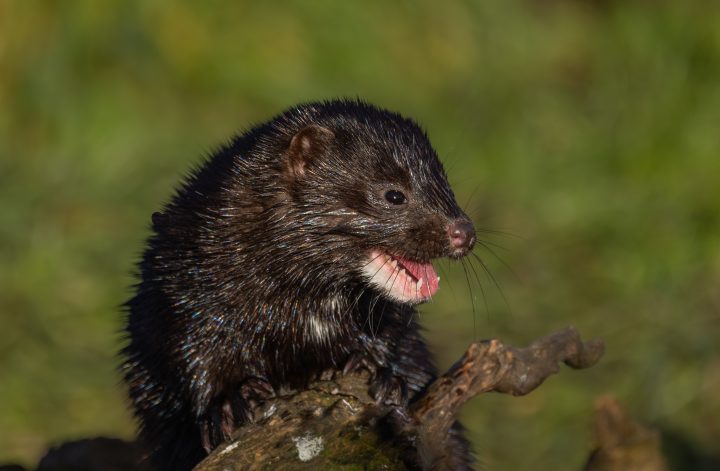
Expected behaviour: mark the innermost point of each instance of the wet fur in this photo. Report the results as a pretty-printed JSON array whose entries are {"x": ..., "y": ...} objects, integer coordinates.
[{"x": 251, "y": 280}]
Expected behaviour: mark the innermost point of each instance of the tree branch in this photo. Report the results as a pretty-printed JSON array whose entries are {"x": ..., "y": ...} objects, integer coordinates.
[{"x": 490, "y": 366}]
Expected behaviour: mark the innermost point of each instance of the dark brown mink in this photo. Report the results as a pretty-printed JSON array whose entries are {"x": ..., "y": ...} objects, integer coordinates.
[{"x": 301, "y": 246}]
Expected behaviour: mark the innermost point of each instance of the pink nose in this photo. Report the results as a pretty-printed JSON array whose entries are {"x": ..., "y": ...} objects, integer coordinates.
[{"x": 462, "y": 234}]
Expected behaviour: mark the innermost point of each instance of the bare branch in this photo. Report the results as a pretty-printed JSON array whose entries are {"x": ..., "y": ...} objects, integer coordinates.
[{"x": 490, "y": 366}]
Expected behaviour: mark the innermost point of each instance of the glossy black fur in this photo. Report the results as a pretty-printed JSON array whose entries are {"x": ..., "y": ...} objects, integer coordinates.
[{"x": 252, "y": 282}]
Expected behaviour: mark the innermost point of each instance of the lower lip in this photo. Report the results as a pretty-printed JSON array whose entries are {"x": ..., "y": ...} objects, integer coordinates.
[{"x": 386, "y": 273}]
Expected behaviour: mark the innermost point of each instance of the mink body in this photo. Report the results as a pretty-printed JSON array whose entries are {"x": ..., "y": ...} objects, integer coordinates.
[{"x": 300, "y": 247}]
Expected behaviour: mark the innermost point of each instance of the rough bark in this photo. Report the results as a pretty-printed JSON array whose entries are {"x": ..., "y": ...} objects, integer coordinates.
[{"x": 336, "y": 425}]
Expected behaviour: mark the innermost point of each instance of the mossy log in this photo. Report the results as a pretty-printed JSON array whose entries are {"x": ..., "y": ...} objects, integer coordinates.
[{"x": 335, "y": 425}]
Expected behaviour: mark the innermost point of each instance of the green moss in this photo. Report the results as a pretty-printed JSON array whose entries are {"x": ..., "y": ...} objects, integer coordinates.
[{"x": 360, "y": 448}]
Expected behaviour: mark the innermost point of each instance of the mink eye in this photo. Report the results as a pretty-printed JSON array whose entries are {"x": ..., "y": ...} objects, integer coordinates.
[{"x": 395, "y": 197}]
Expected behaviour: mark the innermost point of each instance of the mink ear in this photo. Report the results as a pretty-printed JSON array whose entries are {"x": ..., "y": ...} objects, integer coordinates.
[{"x": 307, "y": 146}]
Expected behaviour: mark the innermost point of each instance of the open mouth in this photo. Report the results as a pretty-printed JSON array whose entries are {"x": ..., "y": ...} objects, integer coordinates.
[{"x": 405, "y": 280}]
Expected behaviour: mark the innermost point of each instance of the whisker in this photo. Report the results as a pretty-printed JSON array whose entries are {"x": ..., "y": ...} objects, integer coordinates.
[
  {"x": 497, "y": 285},
  {"x": 494, "y": 244},
  {"x": 373, "y": 303},
  {"x": 499, "y": 259},
  {"x": 484, "y": 295},
  {"x": 412, "y": 310},
  {"x": 382, "y": 312},
  {"x": 470, "y": 198},
  {"x": 425, "y": 281},
  {"x": 440, "y": 265},
  {"x": 373, "y": 259},
  {"x": 467, "y": 279},
  {"x": 374, "y": 330},
  {"x": 355, "y": 304},
  {"x": 497, "y": 232}
]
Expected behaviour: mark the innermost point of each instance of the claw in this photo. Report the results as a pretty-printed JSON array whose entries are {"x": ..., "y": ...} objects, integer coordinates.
[
  {"x": 205, "y": 437},
  {"x": 357, "y": 362},
  {"x": 241, "y": 410},
  {"x": 254, "y": 391},
  {"x": 256, "y": 388},
  {"x": 385, "y": 387},
  {"x": 388, "y": 389},
  {"x": 225, "y": 414},
  {"x": 217, "y": 425},
  {"x": 327, "y": 375}
]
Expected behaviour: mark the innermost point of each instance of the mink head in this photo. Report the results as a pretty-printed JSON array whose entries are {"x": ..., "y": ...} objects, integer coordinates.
[{"x": 327, "y": 198}]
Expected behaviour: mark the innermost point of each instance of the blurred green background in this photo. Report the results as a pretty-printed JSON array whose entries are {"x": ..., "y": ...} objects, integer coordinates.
[{"x": 589, "y": 130}]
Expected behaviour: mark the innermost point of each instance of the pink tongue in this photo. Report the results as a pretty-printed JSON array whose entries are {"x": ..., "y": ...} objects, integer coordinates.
[{"x": 422, "y": 271}]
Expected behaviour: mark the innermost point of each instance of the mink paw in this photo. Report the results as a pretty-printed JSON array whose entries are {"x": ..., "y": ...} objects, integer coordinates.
[
  {"x": 385, "y": 387},
  {"x": 255, "y": 390},
  {"x": 225, "y": 414},
  {"x": 221, "y": 418},
  {"x": 358, "y": 361},
  {"x": 388, "y": 389}
]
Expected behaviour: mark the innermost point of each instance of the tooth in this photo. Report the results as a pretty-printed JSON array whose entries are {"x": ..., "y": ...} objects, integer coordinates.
[{"x": 420, "y": 283}]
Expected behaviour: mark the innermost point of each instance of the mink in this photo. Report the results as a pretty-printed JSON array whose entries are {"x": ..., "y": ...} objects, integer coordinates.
[{"x": 302, "y": 246}]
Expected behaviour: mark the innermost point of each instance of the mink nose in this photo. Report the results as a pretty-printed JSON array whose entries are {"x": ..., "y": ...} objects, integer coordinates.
[{"x": 462, "y": 234}]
